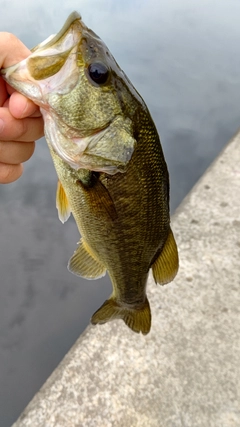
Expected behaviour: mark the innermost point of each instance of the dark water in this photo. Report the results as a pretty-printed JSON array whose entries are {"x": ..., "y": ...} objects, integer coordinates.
[{"x": 183, "y": 57}]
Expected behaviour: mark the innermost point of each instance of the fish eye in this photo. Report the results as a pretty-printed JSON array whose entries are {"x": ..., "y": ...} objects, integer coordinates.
[{"x": 98, "y": 72}]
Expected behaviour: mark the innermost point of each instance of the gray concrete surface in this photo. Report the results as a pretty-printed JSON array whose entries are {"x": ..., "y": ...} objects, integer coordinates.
[{"x": 186, "y": 372}]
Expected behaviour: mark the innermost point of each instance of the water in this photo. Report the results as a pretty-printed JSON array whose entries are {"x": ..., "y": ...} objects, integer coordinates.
[{"x": 183, "y": 58}]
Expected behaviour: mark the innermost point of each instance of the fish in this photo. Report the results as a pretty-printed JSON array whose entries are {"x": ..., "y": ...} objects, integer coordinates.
[{"x": 112, "y": 175}]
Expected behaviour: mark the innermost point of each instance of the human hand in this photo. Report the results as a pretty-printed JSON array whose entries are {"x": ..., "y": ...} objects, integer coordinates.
[{"x": 22, "y": 120}]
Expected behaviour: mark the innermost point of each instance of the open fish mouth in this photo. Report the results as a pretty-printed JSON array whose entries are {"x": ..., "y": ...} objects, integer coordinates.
[
  {"x": 58, "y": 43},
  {"x": 55, "y": 55},
  {"x": 55, "y": 38}
]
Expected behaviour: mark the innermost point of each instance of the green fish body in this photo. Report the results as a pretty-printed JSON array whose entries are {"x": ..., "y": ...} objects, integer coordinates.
[{"x": 111, "y": 168}]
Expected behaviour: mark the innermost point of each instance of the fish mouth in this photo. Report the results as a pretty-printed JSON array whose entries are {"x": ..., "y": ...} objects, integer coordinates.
[
  {"x": 55, "y": 38},
  {"x": 34, "y": 77}
]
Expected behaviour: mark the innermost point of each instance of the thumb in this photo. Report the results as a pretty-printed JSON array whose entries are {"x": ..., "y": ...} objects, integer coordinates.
[{"x": 12, "y": 50}]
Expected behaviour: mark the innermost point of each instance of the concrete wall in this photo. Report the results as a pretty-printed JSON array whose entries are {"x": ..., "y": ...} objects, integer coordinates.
[{"x": 186, "y": 372}]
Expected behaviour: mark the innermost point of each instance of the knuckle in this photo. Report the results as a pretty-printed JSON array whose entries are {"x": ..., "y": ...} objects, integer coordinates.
[
  {"x": 21, "y": 130},
  {"x": 1, "y": 149},
  {"x": 24, "y": 126},
  {"x": 2, "y": 152}
]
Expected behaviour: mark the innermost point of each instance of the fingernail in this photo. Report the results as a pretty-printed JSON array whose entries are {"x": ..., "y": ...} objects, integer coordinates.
[{"x": 1, "y": 125}]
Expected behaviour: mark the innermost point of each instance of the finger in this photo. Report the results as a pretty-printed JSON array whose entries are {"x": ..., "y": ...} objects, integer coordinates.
[
  {"x": 3, "y": 92},
  {"x": 6, "y": 104},
  {"x": 10, "y": 173},
  {"x": 12, "y": 50},
  {"x": 28, "y": 129},
  {"x": 13, "y": 153},
  {"x": 15, "y": 52},
  {"x": 21, "y": 107},
  {"x": 28, "y": 108}
]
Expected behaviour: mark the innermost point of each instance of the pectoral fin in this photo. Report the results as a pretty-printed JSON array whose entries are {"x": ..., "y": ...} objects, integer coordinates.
[
  {"x": 99, "y": 197},
  {"x": 62, "y": 204},
  {"x": 84, "y": 264},
  {"x": 165, "y": 267}
]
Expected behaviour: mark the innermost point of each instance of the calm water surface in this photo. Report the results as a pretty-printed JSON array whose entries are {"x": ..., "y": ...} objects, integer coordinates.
[{"x": 183, "y": 57}]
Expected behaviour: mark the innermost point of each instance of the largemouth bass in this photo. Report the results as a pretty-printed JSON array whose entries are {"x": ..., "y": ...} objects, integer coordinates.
[{"x": 111, "y": 168}]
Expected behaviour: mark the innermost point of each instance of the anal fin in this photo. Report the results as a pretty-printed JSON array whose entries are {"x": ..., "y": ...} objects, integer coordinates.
[
  {"x": 165, "y": 267},
  {"x": 136, "y": 318},
  {"x": 83, "y": 263}
]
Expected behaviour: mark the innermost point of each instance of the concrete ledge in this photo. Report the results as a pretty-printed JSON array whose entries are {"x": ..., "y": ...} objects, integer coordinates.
[{"x": 186, "y": 372}]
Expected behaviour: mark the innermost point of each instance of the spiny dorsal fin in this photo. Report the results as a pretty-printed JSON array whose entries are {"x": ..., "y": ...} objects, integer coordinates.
[
  {"x": 62, "y": 204},
  {"x": 84, "y": 264},
  {"x": 165, "y": 267},
  {"x": 137, "y": 318}
]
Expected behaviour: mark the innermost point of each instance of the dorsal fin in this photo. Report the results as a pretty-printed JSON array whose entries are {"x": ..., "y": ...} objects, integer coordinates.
[
  {"x": 84, "y": 264},
  {"x": 62, "y": 204},
  {"x": 165, "y": 267}
]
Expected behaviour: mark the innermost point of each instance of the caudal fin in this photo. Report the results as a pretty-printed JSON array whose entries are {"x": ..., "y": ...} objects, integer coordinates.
[{"x": 137, "y": 319}]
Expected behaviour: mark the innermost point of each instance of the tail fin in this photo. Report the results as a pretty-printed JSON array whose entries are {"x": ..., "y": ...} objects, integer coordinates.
[{"x": 138, "y": 319}]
